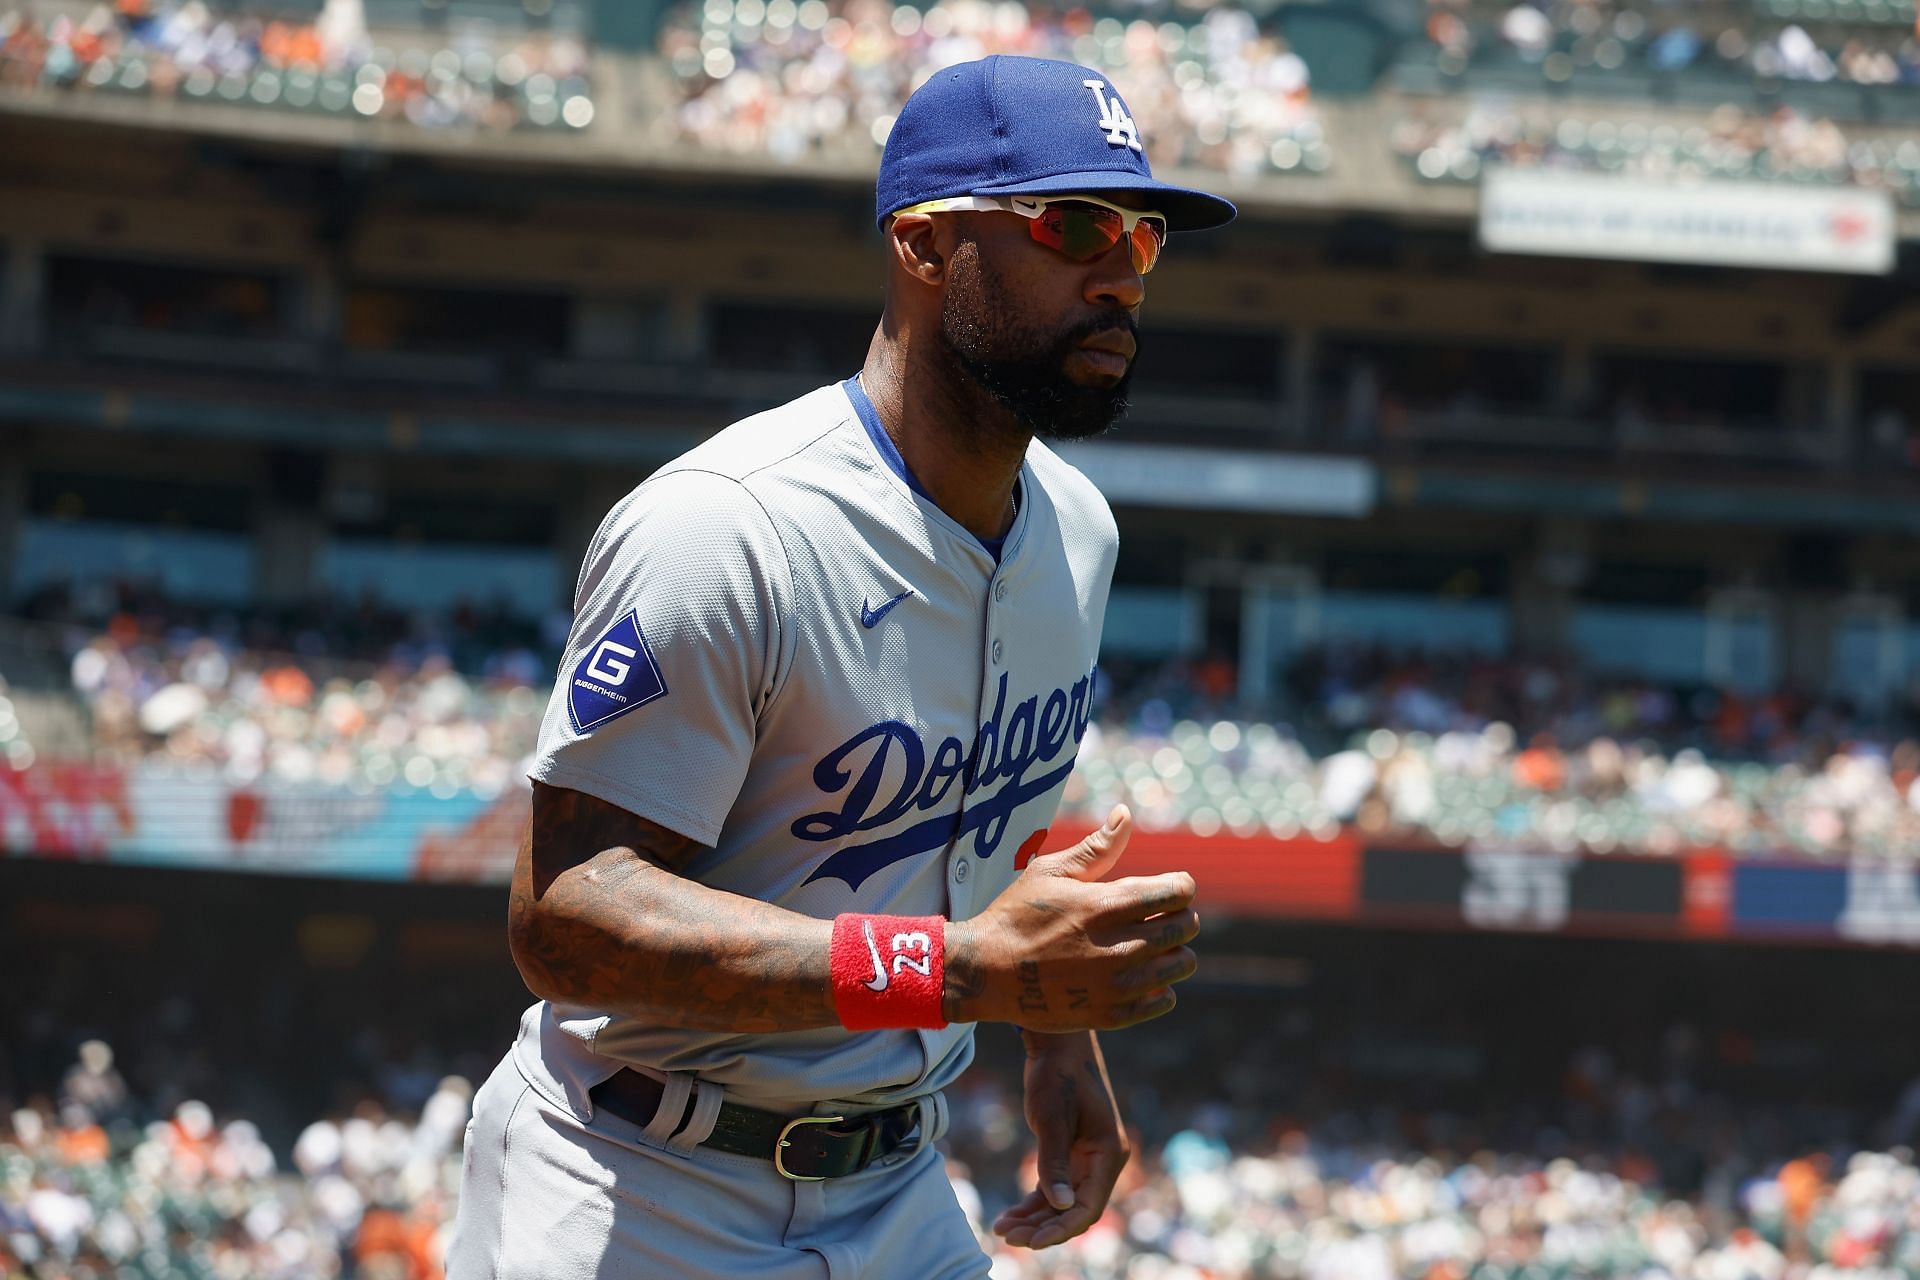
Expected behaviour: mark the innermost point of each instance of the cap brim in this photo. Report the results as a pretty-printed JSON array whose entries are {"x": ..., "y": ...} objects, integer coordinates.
[{"x": 1186, "y": 209}]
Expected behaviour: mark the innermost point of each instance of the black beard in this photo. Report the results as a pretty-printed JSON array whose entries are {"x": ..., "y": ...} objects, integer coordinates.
[{"x": 1024, "y": 369}]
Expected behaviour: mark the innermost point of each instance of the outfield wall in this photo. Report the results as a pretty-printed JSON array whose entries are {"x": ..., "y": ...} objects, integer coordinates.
[{"x": 158, "y": 815}]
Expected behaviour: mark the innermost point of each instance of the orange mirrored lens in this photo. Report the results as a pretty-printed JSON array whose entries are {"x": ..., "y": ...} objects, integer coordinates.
[
  {"x": 1149, "y": 235},
  {"x": 1084, "y": 232}
]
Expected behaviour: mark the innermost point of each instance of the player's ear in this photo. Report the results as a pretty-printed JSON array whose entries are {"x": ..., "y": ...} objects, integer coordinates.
[{"x": 915, "y": 242}]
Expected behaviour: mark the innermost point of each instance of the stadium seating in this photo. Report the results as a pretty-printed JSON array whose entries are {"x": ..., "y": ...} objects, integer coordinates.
[
  {"x": 189, "y": 54},
  {"x": 1444, "y": 146},
  {"x": 1455, "y": 750},
  {"x": 811, "y": 78},
  {"x": 1824, "y": 57},
  {"x": 790, "y": 80},
  {"x": 100, "y": 1181},
  {"x": 784, "y": 81}
]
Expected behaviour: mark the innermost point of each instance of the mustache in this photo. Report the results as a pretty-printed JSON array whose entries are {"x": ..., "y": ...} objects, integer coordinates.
[{"x": 1094, "y": 326}]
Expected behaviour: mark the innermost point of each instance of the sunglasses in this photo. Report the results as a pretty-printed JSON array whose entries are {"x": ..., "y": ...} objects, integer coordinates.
[{"x": 1081, "y": 227}]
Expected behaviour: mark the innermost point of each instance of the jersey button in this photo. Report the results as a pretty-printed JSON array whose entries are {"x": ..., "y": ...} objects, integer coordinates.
[
  {"x": 998, "y": 649},
  {"x": 1000, "y": 589},
  {"x": 961, "y": 870}
]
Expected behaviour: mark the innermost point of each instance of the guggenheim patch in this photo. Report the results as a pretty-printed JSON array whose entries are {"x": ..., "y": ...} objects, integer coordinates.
[{"x": 614, "y": 676}]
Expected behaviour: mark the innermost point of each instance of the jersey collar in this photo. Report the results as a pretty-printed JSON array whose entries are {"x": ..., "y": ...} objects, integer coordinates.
[{"x": 890, "y": 454}]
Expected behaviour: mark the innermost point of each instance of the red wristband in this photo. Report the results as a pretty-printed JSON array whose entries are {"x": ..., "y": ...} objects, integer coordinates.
[{"x": 889, "y": 971}]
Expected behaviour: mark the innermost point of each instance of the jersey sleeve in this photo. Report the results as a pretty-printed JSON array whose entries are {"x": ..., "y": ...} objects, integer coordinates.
[{"x": 680, "y": 618}]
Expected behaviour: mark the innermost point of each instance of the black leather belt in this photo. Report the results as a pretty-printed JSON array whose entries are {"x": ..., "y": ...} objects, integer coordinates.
[{"x": 803, "y": 1148}]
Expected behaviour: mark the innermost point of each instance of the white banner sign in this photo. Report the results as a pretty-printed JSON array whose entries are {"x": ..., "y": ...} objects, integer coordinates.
[
  {"x": 1225, "y": 479},
  {"x": 1729, "y": 224}
]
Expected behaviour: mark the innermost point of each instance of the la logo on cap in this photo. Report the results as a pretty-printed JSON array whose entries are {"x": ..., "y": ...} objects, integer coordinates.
[{"x": 1114, "y": 120}]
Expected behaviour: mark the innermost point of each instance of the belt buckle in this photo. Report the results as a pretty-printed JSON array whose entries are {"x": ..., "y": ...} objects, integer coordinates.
[{"x": 780, "y": 1147}]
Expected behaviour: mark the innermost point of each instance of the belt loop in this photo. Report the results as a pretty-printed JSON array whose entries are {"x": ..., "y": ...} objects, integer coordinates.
[
  {"x": 673, "y": 1106},
  {"x": 933, "y": 1119},
  {"x": 707, "y": 1098}
]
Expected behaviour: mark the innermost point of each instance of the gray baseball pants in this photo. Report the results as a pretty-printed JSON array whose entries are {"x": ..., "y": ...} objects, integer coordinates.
[{"x": 546, "y": 1196}]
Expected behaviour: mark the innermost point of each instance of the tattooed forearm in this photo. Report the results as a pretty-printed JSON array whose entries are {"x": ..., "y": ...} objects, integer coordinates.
[{"x": 600, "y": 916}]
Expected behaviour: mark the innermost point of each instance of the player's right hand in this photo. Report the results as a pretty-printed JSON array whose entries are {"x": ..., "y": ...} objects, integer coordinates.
[{"x": 1059, "y": 951}]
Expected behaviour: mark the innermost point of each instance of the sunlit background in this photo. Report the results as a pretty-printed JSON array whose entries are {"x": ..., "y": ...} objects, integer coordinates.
[{"x": 1516, "y": 627}]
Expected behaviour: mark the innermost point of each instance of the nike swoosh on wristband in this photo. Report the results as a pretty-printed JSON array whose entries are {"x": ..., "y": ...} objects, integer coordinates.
[
  {"x": 870, "y": 618},
  {"x": 879, "y": 980}
]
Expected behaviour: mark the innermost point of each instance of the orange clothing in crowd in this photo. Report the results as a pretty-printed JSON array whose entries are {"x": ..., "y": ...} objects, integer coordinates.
[
  {"x": 1801, "y": 1183},
  {"x": 385, "y": 1233},
  {"x": 85, "y": 1145},
  {"x": 289, "y": 686},
  {"x": 1540, "y": 766},
  {"x": 283, "y": 44}
]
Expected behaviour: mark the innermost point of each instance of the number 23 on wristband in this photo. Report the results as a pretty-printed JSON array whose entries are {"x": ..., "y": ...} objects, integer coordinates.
[{"x": 889, "y": 971}]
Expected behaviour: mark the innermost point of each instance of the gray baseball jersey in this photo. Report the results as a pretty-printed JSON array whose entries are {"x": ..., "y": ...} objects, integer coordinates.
[{"x": 785, "y": 651}]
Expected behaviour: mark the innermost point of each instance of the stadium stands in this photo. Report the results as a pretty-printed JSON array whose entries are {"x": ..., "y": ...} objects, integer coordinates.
[
  {"x": 1621, "y": 1178},
  {"x": 324, "y": 693},
  {"x": 1834, "y": 58},
  {"x": 786, "y": 80},
  {"x": 183, "y": 1197},
  {"x": 1445, "y": 145},
  {"x": 1455, "y": 749},
  {"x": 189, "y": 52},
  {"x": 1798, "y": 93}
]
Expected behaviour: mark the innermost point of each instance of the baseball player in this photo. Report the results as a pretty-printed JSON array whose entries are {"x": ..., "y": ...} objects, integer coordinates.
[{"x": 826, "y": 681}]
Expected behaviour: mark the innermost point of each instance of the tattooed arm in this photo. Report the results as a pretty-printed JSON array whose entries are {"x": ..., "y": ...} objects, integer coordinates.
[{"x": 602, "y": 916}]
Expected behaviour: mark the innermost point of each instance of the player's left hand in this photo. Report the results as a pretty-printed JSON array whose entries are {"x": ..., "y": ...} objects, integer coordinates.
[{"x": 1083, "y": 1143}]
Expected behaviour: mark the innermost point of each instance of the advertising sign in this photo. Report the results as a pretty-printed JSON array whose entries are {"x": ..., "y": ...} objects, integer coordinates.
[{"x": 1712, "y": 223}]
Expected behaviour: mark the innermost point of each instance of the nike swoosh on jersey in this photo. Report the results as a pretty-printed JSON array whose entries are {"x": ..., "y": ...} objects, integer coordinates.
[
  {"x": 878, "y": 982},
  {"x": 870, "y": 618}
]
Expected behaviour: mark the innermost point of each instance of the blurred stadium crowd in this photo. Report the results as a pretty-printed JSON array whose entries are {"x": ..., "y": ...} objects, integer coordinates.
[
  {"x": 1783, "y": 145},
  {"x": 1620, "y": 1177},
  {"x": 98, "y": 1190},
  {"x": 184, "y": 49},
  {"x": 331, "y": 692},
  {"x": 1866, "y": 42},
  {"x": 1460, "y": 749},
  {"x": 1215, "y": 85},
  {"x": 784, "y": 79}
]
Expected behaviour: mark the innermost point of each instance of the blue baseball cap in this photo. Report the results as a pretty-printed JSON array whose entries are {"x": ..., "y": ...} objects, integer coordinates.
[{"x": 1009, "y": 125}]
